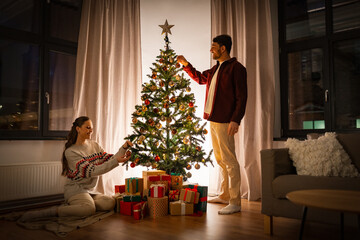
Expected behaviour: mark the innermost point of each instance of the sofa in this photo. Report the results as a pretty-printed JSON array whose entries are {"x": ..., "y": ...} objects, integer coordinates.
[{"x": 279, "y": 177}]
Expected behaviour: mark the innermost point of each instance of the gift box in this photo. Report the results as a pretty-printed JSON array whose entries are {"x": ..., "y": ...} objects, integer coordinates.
[
  {"x": 157, "y": 190},
  {"x": 126, "y": 208},
  {"x": 134, "y": 185},
  {"x": 181, "y": 208},
  {"x": 118, "y": 197},
  {"x": 158, "y": 207},
  {"x": 160, "y": 179},
  {"x": 140, "y": 210},
  {"x": 145, "y": 175},
  {"x": 174, "y": 195},
  {"x": 189, "y": 195},
  {"x": 119, "y": 189},
  {"x": 203, "y": 191},
  {"x": 132, "y": 197},
  {"x": 176, "y": 182}
]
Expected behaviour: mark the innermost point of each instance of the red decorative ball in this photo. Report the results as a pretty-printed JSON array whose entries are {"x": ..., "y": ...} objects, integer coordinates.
[
  {"x": 191, "y": 104},
  {"x": 147, "y": 102},
  {"x": 157, "y": 158},
  {"x": 132, "y": 165},
  {"x": 156, "y": 110},
  {"x": 198, "y": 148},
  {"x": 177, "y": 65}
]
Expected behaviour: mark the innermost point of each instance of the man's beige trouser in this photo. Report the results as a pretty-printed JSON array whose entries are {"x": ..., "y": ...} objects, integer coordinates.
[{"x": 224, "y": 151}]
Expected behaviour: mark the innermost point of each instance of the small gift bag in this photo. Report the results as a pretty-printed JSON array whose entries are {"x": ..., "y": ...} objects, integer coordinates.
[{"x": 176, "y": 182}]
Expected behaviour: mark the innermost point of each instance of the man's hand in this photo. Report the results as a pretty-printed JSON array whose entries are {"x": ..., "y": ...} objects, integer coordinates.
[
  {"x": 182, "y": 60},
  {"x": 233, "y": 128}
]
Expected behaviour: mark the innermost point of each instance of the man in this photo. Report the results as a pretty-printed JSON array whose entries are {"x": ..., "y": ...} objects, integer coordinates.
[{"x": 225, "y": 103}]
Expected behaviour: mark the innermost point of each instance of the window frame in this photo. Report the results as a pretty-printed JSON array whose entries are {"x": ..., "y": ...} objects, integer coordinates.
[
  {"x": 46, "y": 44},
  {"x": 326, "y": 43}
]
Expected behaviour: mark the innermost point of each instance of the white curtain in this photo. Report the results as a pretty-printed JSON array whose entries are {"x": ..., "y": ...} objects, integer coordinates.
[
  {"x": 249, "y": 22},
  {"x": 108, "y": 74}
]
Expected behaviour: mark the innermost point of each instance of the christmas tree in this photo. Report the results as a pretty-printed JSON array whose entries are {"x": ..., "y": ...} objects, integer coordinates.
[{"x": 167, "y": 135}]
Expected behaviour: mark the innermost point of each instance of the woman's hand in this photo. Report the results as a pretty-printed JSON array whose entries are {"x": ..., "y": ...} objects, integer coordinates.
[
  {"x": 123, "y": 158},
  {"x": 127, "y": 144}
]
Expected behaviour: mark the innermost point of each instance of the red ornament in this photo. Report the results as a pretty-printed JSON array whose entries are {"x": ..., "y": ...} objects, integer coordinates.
[
  {"x": 132, "y": 165},
  {"x": 198, "y": 148},
  {"x": 177, "y": 65},
  {"x": 147, "y": 102},
  {"x": 157, "y": 158},
  {"x": 191, "y": 104}
]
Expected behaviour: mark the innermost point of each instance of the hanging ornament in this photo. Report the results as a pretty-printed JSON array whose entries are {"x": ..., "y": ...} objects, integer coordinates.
[
  {"x": 161, "y": 84},
  {"x": 148, "y": 164},
  {"x": 173, "y": 99},
  {"x": 132, "y": 164},
  {"x": 168, "y": 120},
  {"x": 144, "y": 97},
  {"x": 173, "y": 131},
  {"x": 184, "y": 178},
  {"x": 165, "y": 69},
  {"x": 147, "y": 102},
  {"x": 157, "y": 158},
  {"x": 177, "y": 65},
  {"x": 171, "y": 83},
  {"x": 182, "y": 107},
  {"x": 186, "y": 140},
  {"x": 151, "y": 122},
  {"x": 166, "y": 105},
  {"x": 188, "y": 89},
  {"x": 142, "y": 138},
  {"x": 191, "y": 104},
  {"x": 153, "y": 88},
  {"x": 137, "y": 160},
  {"x": 139, "y": 142},
  {"x": 134, "y": 120},
  {"x": 197, "y": 166},
  {"x": 198, "y": 148},
  {"x": 177, "y": 77},
  {"x": 171, "y": 59},
  {"x": 156, "y": 110},
  {"x": 138, "y": 112},
  {"x": 144, "y": 108},
  {"x": 205, "y": 131},
  {"x": 161, "y": 60},
  {"x": 158, "y": 125},
  {"x": 189, "y": 175},
  {"x": 188, "y": 167},
  {"x": 189, "y": 118},
  {"x": 142, "y": 130},
  {"x": 203, "y": 160},
  {"x": 154, "y": 76},
  {"x": 162, "y": 118}
]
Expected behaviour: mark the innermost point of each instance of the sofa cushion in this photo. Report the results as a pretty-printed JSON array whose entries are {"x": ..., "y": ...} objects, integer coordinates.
[
  {"x": 288, "y": 183},
  {"x": 323, "y": 156},
  {"x": 350, "y": 143}
]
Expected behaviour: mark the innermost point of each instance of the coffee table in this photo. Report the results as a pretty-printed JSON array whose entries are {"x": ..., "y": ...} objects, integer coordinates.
[{"x": 334, "y": 200}]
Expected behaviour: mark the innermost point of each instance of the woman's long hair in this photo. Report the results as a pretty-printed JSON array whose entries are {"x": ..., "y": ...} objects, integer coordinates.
[{"x": 71, "y": 140}]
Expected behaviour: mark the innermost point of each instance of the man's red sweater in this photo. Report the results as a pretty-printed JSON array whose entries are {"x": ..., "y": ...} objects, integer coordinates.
[{"x": 230, "y": 93}]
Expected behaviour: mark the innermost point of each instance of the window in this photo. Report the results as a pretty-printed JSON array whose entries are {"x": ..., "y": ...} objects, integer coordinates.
[
  {"x": 38, "y": 44},
  {"x": 319, "y": 66}
]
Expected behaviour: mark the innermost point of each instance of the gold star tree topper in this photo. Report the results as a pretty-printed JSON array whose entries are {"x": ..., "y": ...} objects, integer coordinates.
[{"x": 166, "y": 27}]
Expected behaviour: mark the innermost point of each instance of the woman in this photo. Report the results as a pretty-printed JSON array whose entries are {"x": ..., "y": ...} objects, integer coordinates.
[{"x": 84, "y": 161}]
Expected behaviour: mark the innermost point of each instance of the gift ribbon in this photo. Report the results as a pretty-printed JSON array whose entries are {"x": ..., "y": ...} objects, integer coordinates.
[
  {"x": 189, "y": 189},
  {"x": 203, "y": 199},
  {"x": 183, "y": 208},
  {"x": 155, "y": 188},
  {"x": 141, "y": 210},
  {"x": 129, "y": 181}
]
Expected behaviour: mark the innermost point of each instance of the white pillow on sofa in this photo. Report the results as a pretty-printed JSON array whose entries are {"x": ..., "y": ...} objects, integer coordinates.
[{"x": 323, "y": 156}]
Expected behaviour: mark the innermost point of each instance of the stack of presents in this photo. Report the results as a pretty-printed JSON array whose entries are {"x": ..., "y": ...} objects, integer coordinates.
[{"x": 157, "y": 194}]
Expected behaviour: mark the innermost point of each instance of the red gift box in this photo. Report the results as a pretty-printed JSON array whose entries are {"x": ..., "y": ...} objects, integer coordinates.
[
  {"x": 119, "y": 188},
  {"x": 126, "y": 208},
  {"x": 157, "y": 190},
  {"x": 139, "y": 210},
  {"x": 159, "y": 179}
]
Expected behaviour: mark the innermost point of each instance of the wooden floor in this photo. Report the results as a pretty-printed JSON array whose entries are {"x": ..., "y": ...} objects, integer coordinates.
[{"x": 245, "y": 225}]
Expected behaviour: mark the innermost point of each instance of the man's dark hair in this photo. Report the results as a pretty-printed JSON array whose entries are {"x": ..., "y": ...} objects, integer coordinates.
[{"x": 224, "y": 40}]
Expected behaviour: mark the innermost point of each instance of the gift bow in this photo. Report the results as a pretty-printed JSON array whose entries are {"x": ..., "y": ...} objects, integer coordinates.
[
  {"x": 156, "y": 188},
  {"x": 173, "y": 194}
]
